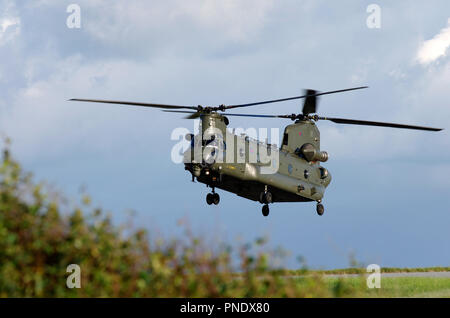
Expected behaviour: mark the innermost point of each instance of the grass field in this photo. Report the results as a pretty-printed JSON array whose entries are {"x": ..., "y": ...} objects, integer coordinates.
[
  {"x": 390, "y": 286},
  {"x": 358, "y": 270},
  {"x": 393, "y": 286}
]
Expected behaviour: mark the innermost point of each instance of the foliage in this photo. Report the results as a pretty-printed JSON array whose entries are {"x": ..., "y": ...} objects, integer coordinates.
[{"x": 40, "y": 235}]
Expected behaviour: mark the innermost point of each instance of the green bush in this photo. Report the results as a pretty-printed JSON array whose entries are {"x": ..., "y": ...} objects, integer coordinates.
[{"x": 40, "y": 235}]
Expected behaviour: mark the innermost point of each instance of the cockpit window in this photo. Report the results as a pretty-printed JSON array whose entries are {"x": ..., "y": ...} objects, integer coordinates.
[{"x": 285, "y": 139}]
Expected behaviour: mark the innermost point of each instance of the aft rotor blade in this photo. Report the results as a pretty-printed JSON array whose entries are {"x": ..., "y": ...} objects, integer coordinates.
[
  {"x": 291, "y": 98},
  {"x": 310, "y": 102},
  {"x": 376, "y": 123},
  {"x": 164, "y": 106}
]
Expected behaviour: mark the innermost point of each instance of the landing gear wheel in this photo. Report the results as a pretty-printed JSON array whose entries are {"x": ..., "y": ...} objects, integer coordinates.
[
  {"x": 215, "y": 198},
  {"x": 209, "y": 198},
  {"x": 320, "y": 209},
  {"x": 265, "y": 210}
]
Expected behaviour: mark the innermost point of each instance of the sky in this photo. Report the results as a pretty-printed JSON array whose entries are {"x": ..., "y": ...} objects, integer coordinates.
[{"x": 388, "y": 202}]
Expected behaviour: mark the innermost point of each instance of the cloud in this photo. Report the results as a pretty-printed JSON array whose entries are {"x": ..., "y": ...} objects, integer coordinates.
[
  {"x": 9, "y": 27},
  {"x": 435, "y": 48},
  {"x": 213, "y": 52},
  {"x": 236, "y": 19},
  {"x": 147, "y": 29},
  {"x": 58, "y": 63},
  {"x": 6, "y": 23}
]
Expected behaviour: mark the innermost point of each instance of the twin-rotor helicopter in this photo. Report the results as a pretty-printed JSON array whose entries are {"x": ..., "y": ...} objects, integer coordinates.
[{"x": 251, "y": 169}]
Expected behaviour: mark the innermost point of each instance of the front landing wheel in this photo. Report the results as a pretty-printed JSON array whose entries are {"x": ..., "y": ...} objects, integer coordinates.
[
  {"x": 265, "y": 210},
  {"x": 320, "y": 209}
]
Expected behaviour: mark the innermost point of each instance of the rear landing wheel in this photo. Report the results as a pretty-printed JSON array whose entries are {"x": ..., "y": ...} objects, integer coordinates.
[
  {"x": 320, "y": 209},
  {"x": 209, "y": 198},
  {"x": 216, "y": 198},
  {"x": 265, "y": 210}
]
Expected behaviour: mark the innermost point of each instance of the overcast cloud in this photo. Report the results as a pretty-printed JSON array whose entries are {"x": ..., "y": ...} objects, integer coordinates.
[{"x": 391, "y": 183}]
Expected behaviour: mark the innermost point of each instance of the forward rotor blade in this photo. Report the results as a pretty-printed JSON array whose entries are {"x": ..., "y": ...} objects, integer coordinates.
[
  {"x": 193, "y": 115},
  {"x": 291, "y": 98},
  {"x": 254, "y": 115},
  {"x": 376, "y": 123},
  {"x": 164, "y": 106},
  {"x": 197, "y": 114}
]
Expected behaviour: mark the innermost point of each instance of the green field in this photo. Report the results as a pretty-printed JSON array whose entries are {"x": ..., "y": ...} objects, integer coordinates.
[
  {"x": 363, "y": 270},
  {"x": 355, "y": 286},
  {"x": 391, "y": 287},
  {"x": 395, "y": 287}
]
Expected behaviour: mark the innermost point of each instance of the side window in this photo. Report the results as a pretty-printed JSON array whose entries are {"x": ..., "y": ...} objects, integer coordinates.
[{"x": 285, "y": 139}]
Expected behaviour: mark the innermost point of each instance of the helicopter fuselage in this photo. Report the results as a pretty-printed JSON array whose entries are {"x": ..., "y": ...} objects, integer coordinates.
[{"x": 251, "y": 169}]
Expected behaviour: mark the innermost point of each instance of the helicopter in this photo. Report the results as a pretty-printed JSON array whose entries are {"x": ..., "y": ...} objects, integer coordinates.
[{"x": 257, "y": 170}]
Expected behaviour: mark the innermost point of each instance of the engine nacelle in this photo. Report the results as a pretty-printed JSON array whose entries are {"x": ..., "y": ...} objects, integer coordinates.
[{"x": 310, "y": 153}]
